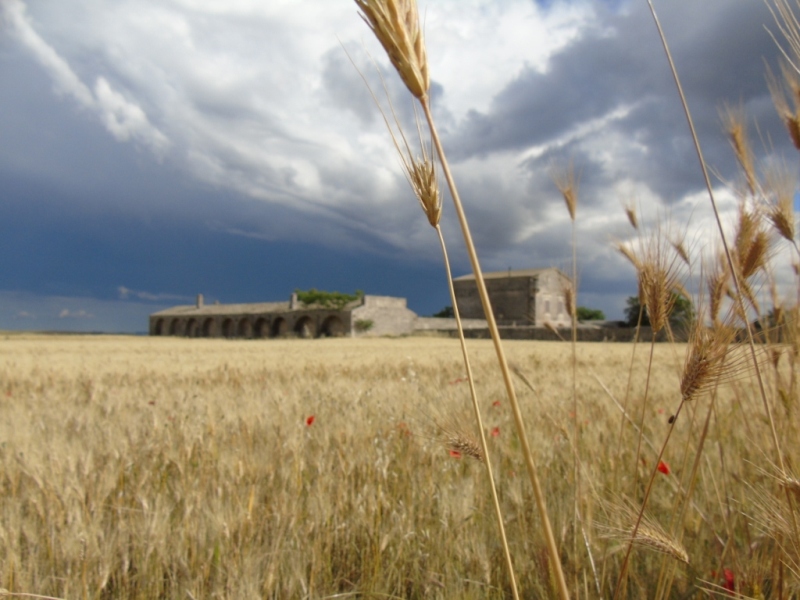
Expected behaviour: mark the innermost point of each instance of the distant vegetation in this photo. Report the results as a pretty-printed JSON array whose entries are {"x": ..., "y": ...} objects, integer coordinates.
[
  {"x": 445, "y": 313},
  {"x": 681, "y": 315},
  {"x": 364, "y": 325},
  {"x": 337, "y": 300},
  {"x": 589, "y": 314}
]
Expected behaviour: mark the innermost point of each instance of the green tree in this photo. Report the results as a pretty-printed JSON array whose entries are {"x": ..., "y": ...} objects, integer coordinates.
[
  {"x": 447, "y": 313},
  {"x": 589, "y": 314},
  {"x": 337, "y": 300},
  {"x": 682, "y": 314}
]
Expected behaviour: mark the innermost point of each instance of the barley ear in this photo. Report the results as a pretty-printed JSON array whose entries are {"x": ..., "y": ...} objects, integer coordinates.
[
  {"x": 458, "y": 438},
  {"x": 396, "y": 25},
  {"x": 567, "y": 184},
  {"x": 630, "y": 212},
  {"x": 788, "y": 114},
  {"x": 780, "y": 184},
  {"x": 648, "y": 534},
  {"x": 706, "y": 360},
  {"x": 734, "y": 121}
]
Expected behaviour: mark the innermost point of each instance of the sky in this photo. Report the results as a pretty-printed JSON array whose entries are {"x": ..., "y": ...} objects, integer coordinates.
[{"x": 151, "y": 150}]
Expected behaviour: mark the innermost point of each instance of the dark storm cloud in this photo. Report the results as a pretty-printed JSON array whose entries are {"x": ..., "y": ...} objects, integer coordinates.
[
  {"x": 275, "y": 169},
  {"x": 720, "y": 50}
]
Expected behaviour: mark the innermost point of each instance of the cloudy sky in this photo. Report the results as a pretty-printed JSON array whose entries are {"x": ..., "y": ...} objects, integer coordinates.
[{"x": 151, "y": 150}]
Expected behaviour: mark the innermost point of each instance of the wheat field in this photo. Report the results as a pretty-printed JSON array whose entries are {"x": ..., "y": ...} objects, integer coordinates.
[{"x": 193, "y": 468}]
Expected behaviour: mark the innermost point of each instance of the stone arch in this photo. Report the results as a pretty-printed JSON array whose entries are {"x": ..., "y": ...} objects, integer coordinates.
[
  {"x": 261, "y": 328},
  {"x": 209, "y": 328},
  {"x": 305, "y": 328},
  {"x": 191, "y": 328},
  {"x": 173, "y": 327},
  {"x": 158, "y": 328},
  {"x": 227, "y": 328},
  {"x": 279, "y": 327},
  {"x": 333, "y": 326},
  {"x": 245, "y": 328}
]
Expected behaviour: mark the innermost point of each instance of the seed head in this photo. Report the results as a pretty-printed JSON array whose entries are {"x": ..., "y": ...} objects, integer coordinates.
[
  {"x": 630, "y": 212},
  {"x": 737, "y": 132},
  {"x": 789, "y": 114},
  {"x": 780, "y": 185},
  {"x": 649, "y": 535},
  {"x": 396, "y": 25},
  {"x": 752, "y": 243},
  {"x": 568, "y": 186},
  {"x": 421, "y": 175},
  {"x": 706, "y": 360}
]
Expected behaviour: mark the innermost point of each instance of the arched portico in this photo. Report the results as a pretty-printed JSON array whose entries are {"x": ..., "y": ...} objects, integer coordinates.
[
  {"x": 333, "y": 326},
  {"x": 305, "y": 328}
]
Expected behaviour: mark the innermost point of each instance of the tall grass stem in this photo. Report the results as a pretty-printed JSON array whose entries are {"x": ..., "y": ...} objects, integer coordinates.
[{"x": 555, "y": 559}]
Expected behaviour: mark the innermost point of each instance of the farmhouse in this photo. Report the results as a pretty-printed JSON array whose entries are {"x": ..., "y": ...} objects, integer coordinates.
[
  {"x": 376, "y": 315},
  {"x": 530, "y": 297},
  {"x": 521, "y": 299}
]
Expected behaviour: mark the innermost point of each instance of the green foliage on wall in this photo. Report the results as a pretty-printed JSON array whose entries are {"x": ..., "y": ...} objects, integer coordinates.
[
  {"x": 364, "y": 325},
  {"x": 336, "y": 300}
]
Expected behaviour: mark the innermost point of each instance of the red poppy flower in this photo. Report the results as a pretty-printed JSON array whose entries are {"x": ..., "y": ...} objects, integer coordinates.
[
  {"x": 496, "y": 403},
  {"x": 730, "y": 582},
  {"x": 495, "y": 432},
  {"x": 663, "y": 467},
  {"x": 455, "y": 454},
  {"x": 310, "y": 420}
]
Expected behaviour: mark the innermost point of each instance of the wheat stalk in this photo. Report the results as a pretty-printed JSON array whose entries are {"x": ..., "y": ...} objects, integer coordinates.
[
  {"x": 420, "y": 172},
  {"x": 395, "y": 24}
]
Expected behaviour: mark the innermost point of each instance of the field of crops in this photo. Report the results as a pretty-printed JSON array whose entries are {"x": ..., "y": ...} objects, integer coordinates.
[{"x": 176, "y": 468}]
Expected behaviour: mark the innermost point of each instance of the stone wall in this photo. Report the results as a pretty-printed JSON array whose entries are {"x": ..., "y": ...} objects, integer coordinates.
[
  {"x": 446, "y": 324},
  {"x": 529, "y": 298},
  {"x": 588, "y": 334},
  {"x": 389, "y": 316},
  {"x": 512, "y": 299}
]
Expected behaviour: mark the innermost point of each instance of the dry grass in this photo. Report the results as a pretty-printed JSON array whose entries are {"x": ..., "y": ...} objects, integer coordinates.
[{"x": 142, "y": 468}]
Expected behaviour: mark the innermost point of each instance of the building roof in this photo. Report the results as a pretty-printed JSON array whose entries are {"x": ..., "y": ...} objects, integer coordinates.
[
  {"x": 509, "y": 274},
  {"x": 223, "y": 309}
]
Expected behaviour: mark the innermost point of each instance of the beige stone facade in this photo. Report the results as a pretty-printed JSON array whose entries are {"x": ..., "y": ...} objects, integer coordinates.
[
  {"x": 531, "y": 297},
  {"x": 371, "y": 315}
]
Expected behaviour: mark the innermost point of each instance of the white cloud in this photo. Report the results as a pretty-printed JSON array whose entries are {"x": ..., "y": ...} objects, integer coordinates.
[
  {"x": 123, "y": 119},
  {"x": 66, "y": 313},
  {"x": 235, "y": 92},
  {"x": 126, "y": 120},
  {"x": 24, "y": 310},
  {"x": 125, "y": 293},
  {"x": 65, "y": 80}
]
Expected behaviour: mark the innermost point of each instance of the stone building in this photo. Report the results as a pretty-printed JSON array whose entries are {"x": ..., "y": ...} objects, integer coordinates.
[
  {"x": 530, "y": 297},
  {"x": 370, "y": 315}
]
